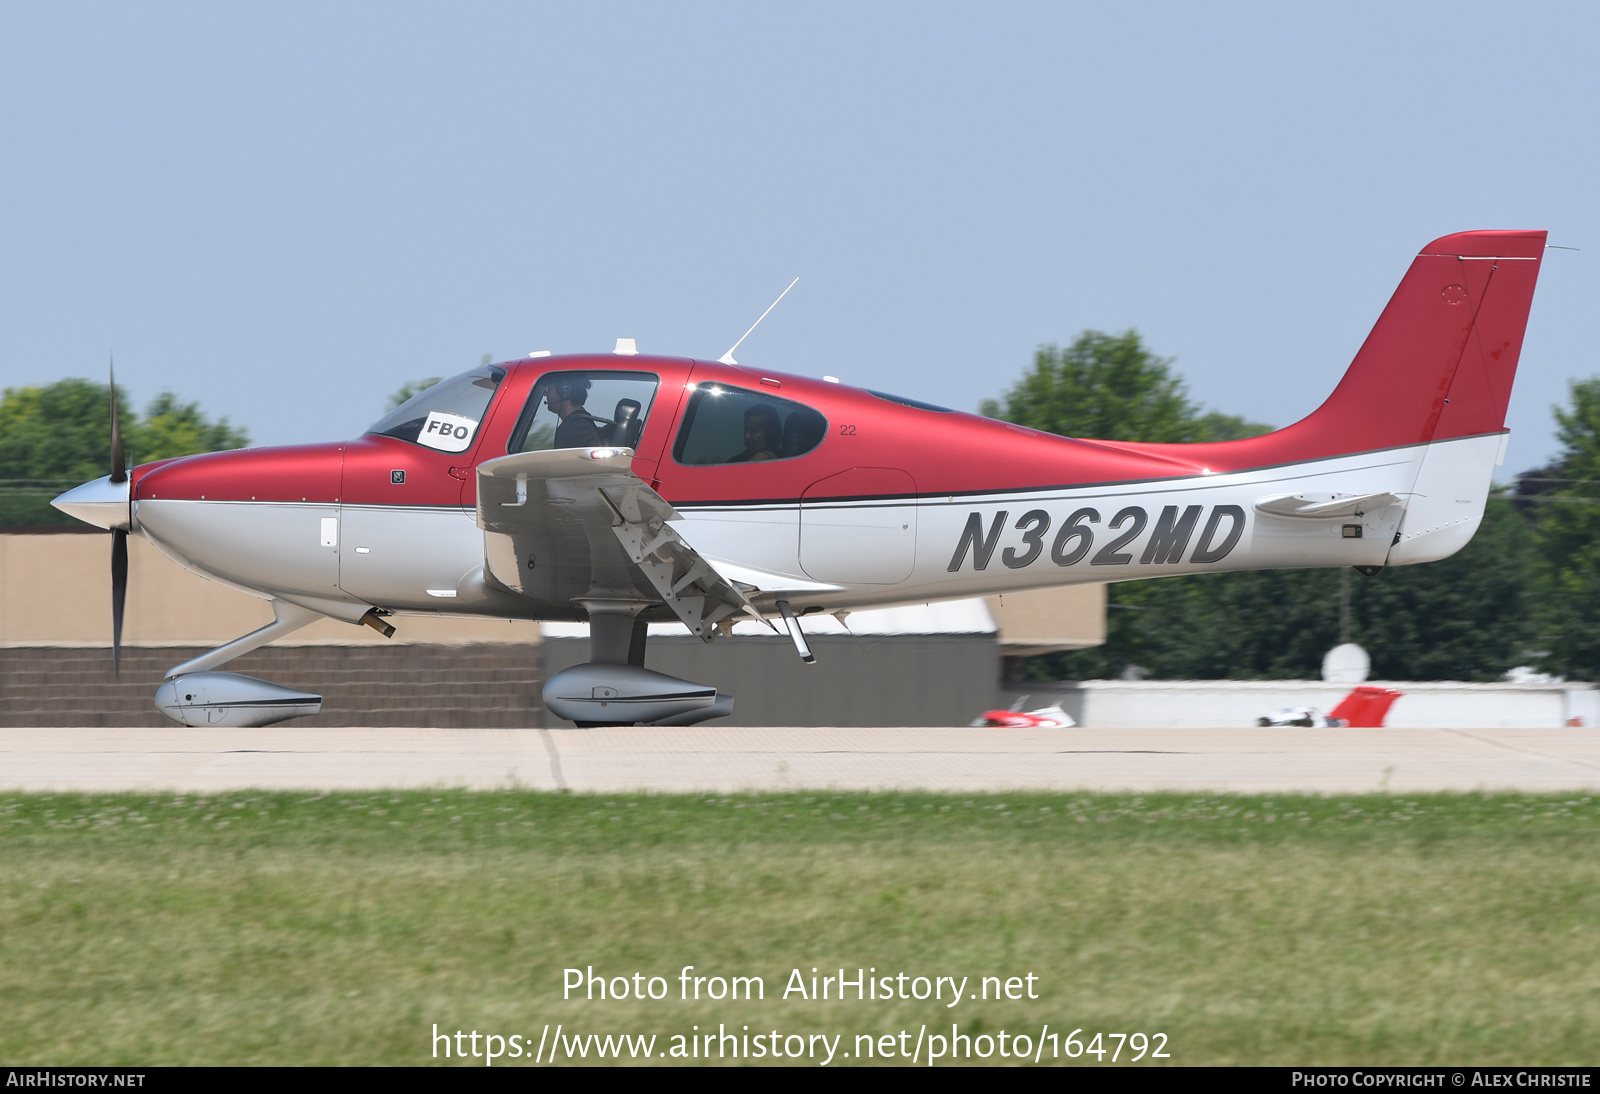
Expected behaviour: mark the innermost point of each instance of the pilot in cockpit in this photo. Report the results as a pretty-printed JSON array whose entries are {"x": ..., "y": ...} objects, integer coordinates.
[{"x": 578, "y": 428}]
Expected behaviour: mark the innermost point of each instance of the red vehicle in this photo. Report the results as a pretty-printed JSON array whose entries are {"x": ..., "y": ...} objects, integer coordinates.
[{"x": 1364, "y": 708}]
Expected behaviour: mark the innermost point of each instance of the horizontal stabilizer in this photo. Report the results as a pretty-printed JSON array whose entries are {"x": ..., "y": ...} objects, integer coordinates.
[{"x": 1325, "y": 506}]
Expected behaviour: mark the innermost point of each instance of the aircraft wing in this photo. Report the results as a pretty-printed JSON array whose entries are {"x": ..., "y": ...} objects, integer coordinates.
[{"x": 576, "y": 524}]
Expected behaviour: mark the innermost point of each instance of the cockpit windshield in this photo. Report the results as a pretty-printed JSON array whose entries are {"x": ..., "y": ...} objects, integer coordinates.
[{"x": 447, "y": 415}]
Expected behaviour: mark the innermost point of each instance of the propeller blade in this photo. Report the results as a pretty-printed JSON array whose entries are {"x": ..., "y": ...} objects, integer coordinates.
[
  {"x": 119, "y": 595},
  {"x": 119, "y": 467},
  {"x": 119, "y": 538}
]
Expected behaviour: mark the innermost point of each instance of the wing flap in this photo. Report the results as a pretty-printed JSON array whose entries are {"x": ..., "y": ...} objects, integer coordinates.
[
  {"x": 700, "y": 596},
  {"x": 577, "y": 523}
]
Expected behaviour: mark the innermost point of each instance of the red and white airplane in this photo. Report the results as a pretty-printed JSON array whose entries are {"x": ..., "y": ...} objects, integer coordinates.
[{"x": 624, "y": 489}]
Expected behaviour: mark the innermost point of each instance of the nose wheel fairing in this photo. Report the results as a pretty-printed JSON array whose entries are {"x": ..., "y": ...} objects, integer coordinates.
[
  {"x": 227, "y": 699},
  {"x": 195, "y": 695}
]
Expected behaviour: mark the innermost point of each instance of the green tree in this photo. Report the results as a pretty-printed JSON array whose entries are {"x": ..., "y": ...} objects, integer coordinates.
[
  {"x": 59, "y": 431},
  {"x": 171, "y": 428},
  {"x": 1110, "y": 387},
  {"x": 408, "y": 390},
  {"x": 1563, "y": 501},
  {"x": 55, "y": 436}
]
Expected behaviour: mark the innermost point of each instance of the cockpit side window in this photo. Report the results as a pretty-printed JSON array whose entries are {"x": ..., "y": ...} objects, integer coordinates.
[
  {"x": 446, "y": 416},
  {"x": 730, "y": 425},
  {"x": 592, "y": 409}
]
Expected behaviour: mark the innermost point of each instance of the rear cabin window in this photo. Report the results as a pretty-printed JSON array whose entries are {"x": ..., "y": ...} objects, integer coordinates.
[{"x": 730, "y": 425}]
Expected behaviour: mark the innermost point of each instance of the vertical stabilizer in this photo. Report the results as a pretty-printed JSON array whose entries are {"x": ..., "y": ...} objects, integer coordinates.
[
  {"x": 1438, "y": 364},
  {"x": 1440, "y": 360}
]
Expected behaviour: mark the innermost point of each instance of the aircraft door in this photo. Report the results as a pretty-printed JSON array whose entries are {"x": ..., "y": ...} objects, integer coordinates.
[
  {"x": 740, "y": 458},
  {"x": 586, "y": 408},
  {"x": 859, "y": 527}
]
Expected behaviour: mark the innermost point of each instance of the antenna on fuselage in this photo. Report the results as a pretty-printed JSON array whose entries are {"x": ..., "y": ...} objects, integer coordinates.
[{"x": 727, "y": 358}]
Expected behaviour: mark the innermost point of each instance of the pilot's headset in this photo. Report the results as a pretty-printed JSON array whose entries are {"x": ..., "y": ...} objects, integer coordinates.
[{"x": 571, "y": 389}]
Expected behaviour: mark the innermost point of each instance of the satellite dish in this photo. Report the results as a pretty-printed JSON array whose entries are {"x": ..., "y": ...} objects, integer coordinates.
[{"x": 1346, "y": 664}]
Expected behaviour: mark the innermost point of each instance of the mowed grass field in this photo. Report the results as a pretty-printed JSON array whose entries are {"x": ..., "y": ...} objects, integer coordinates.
[{"x": 297, "y": 928}]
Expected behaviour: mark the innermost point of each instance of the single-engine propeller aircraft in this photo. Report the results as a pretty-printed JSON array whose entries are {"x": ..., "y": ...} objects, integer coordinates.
[{"x": 623, "y": 489}]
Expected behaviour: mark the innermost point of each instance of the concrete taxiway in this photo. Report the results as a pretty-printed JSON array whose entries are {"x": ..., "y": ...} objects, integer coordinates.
[{"x": 725, "y": 760}]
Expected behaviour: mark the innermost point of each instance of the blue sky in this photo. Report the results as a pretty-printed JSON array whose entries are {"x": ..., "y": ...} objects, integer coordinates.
[{"x": 285, "y": 211}]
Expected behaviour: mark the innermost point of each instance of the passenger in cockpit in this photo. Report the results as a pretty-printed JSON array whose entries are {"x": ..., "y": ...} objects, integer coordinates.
[
  {"x": 578, "y": 428},
  {"x": 762, "y": 434},
  {"x": 802, "y": 432}
]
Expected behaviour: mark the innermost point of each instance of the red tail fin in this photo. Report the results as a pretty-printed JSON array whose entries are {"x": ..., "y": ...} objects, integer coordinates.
[
  {"x": 1366, "y": 707},
  {"x": 1438, "y": 364},
  {"x": 1441, "y": 359}
]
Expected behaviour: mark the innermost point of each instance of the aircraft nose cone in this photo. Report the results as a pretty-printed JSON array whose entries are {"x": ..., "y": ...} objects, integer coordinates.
[{"x": 102, "y": 503}]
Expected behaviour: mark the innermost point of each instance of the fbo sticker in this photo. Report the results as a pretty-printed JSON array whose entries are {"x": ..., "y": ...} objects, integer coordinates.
[{"x": 447, "y": 432}]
